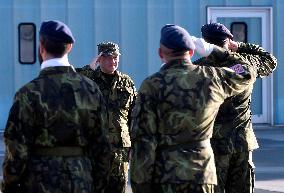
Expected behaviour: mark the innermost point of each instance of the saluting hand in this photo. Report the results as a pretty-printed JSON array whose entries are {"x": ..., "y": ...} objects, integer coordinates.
[
  {"x": 233, "y": 45},
  {"x": 95, "y": 61}
]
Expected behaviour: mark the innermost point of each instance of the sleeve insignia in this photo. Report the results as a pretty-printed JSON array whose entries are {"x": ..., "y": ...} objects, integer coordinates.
[{"x": 238, "y": 68}]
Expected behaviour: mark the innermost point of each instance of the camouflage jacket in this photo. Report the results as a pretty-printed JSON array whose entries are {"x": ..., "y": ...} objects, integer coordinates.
[
  {"x": 119, "y": 96},
  {"x": 174, "y": 111},
  {"x": 233, "y": 130},
  {"x": 59, "y": 108}
]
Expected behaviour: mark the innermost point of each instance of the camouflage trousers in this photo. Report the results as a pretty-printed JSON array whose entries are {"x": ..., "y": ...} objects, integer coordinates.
[
  {"x": 119, "y": 172},
  {"x": 58, "y": 175},
  {"x": 235, "y": 173},
  {"x": 174, "y": 188}
]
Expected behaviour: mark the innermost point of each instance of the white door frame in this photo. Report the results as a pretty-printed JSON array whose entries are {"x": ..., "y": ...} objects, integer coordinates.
[{"x": 266, "y": 14}]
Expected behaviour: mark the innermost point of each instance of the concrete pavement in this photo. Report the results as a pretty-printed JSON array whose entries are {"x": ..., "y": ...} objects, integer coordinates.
[{"x": 269, "y": 158}]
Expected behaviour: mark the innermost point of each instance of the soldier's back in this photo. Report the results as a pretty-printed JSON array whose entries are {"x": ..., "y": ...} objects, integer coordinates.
[
  {"x": 64, "y": 114},
  {"x": 185, "y": 98}
]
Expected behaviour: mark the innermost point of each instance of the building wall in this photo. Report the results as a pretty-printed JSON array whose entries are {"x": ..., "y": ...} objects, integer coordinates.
[{"x": 134, "y": 24}]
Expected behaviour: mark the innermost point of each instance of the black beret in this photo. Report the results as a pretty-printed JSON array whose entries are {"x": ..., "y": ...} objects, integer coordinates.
[
  {"x": 56, "y": 31},
  {"x": 176, "y": 38},
  {"x": 108, "y": 48},
  {"x": 216, "y": 30}
]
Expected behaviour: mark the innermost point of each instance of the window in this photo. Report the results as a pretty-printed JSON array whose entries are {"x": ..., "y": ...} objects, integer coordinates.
[
  {"x": 27, "y": 43},
  {"x": 239, "y": 31}
]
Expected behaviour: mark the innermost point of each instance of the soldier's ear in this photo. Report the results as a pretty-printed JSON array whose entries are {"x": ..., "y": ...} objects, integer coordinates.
[
  {"x": 160, "y": 52},
  {"x": 42, "y": 51},
  {"x": 69, "y": 47},
  {"x": 191, "y": 52}
]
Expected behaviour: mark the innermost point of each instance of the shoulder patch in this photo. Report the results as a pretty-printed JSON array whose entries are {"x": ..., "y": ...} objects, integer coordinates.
[{"x": 238, "y": 68}]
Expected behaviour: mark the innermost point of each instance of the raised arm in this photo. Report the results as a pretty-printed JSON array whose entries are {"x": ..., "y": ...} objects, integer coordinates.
[{"x": 264, "y": 61}]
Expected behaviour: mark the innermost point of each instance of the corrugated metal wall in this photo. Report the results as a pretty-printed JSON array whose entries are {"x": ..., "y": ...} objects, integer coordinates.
[{"x": 134, "y": 24}]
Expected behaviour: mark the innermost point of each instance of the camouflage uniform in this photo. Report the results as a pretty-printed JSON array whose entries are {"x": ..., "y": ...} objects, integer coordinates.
[
  {"x": 173, "y": 122},
  {"x": 56, "y": 137},
  {"x": 233, "y": 137},
  {"x": 119, "y": 92}
]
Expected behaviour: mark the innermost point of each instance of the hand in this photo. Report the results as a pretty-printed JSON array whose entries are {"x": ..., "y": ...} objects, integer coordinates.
[
  {"x": 203, "y": 48},
  {"x": 94, "y": 62},
  {"x": 233, "y": 45}
]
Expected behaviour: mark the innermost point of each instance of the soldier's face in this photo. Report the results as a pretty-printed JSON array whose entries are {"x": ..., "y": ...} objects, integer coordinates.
[{"x": 109, "y": 63}]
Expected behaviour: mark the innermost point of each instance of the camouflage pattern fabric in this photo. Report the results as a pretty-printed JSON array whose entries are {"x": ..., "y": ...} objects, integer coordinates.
[
  {"x": 119, "y": 93},
  {"x": 177, "y": 188},
  {"x": 233, "y": 128},
  {"x": 119, "y": 96},
  {"x": 58, "y": 108},
  {"x": 232, "y": 170},
  {"x": 59, "y": 175},
  {"x": 233, "y": 132},
  {"x": 177, "y": 106},
  {"x": 119, "y": 171},
  {"x": 265, "y": 62},
  {"x": 108, "y": 48}
]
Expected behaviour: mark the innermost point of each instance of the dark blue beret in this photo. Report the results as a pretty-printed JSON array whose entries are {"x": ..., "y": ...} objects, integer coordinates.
[
  {"x": 176, "y": 38},
  {"x": 216, "y": 30},
  {"x": 56, "y": 31}
]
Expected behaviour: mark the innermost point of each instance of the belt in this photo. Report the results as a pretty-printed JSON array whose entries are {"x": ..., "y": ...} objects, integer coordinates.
[
  {"x": 58, "y": 151},
  {"x": 192, "y": 144}
]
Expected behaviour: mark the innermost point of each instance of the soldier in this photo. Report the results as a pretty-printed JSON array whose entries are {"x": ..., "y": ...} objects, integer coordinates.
[
  {"x": 233, "y": 138},
  {"x": 119, "y": 91},
  {"x": 56, "y": 138},
  {"x": 174, "y": 114}
]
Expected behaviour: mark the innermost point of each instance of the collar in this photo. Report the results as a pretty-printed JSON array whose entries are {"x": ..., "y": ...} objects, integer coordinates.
[
  {"x": 56, "y": 62},
  {"x": 56, "y": 70},
  {"x": 176, "y": 63}
]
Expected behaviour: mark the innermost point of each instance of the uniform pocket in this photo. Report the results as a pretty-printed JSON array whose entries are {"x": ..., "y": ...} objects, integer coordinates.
[{"x": 124, "y": 97}]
